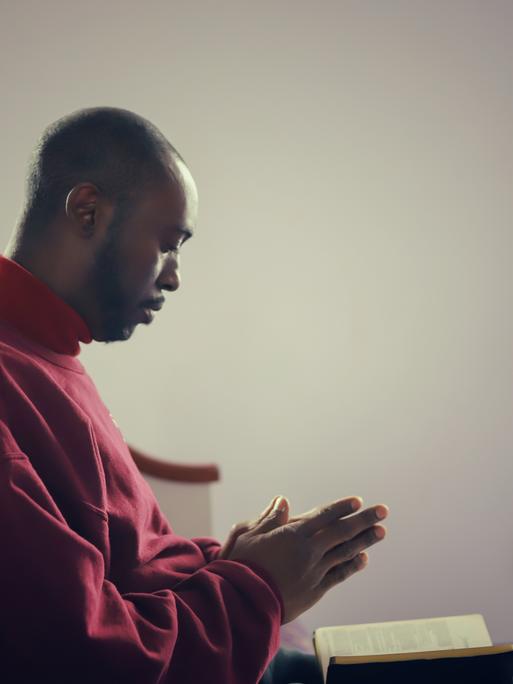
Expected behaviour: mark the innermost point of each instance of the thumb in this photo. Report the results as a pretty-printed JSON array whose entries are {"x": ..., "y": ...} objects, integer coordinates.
[
  {"x": 267, "y": 510},
  {"x": 276, "y": 516}
]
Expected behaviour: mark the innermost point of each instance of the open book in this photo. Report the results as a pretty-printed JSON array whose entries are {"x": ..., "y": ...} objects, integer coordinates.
[{"x": 437, "y": 638}]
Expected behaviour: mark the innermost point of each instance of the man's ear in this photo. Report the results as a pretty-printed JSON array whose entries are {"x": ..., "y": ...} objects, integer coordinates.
[{"x": 82, "y": 208}]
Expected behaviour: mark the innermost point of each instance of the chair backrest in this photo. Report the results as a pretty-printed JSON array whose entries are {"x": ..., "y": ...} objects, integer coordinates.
[{"x": 182, "y": 490}]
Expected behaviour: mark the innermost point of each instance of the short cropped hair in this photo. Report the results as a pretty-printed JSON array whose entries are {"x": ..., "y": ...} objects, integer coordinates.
[{"x": 117, "y": 150}]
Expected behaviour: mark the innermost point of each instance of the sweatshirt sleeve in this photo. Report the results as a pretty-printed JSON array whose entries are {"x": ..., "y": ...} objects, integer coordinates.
[
  {"x": 62, "y": 620},
  {"x": 209, "y": 547}
]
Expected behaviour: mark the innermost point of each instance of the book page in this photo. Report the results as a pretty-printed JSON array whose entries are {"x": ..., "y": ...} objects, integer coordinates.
[{"x": 408, "y": 636}]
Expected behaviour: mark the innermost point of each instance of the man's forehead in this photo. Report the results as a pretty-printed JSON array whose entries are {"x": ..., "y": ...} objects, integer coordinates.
[
  {"x": 173, "y": 202},
  {"x": 188, "y": 196},
  {"x": 185, "y": 180}
]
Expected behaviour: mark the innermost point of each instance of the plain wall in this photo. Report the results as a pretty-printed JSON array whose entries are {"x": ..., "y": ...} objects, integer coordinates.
[{"x": 345, "y": 321}]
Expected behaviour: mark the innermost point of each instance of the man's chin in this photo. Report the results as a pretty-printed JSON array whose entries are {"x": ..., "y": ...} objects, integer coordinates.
[
  {"x": 115, "y": 333},
  {"x": 122, "y": 336},
  {"x": 116, "y": 328}
]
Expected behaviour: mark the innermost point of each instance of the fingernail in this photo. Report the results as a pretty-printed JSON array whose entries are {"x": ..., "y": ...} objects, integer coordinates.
[
  {"x": 280, "y": 504},
  {"x": 379, "y": 532},
  {"x": 356, "y": 503},
  {"x": 381, "y": 512}
]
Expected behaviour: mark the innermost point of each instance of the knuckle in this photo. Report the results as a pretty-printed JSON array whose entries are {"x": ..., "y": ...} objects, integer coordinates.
[
  {"x": 376, "y": 534},
  {"x": 372, "y": 516},
  {"x": 238, "y": 528},
  {"x": 344, "y": 530},
  {"x": 299, "y": 532},
  {"x": 296, "y": 532},
  {"x": 341, "y": 573},
  {"x": 351, "y": 549},
  {"x": 371, "y": 537},
  {"x": 346, "y": 570},
  {"x": 326, "y": 511}
]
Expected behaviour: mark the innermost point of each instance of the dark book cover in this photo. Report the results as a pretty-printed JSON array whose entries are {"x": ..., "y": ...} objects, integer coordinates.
[{"x": 489, "y": 669}]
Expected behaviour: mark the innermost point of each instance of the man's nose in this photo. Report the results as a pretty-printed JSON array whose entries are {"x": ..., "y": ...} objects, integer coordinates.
[{"x": 169, "y": 278}]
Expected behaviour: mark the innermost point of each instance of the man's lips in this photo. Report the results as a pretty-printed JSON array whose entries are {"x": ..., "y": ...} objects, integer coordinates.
[
  {"x": 146, "y": 309},
  {"x": 154, "y": 304}
]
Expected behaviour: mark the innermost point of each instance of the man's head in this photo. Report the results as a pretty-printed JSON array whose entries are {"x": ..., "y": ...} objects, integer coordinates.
[{"x": 109, "y": 204}]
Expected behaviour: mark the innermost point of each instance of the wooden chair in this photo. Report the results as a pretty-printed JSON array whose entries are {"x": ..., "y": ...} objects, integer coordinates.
[{"x": 182, "y": 490}]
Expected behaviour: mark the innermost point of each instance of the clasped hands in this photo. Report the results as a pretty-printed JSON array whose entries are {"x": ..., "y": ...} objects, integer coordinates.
[{"x": 308, "y": 554}]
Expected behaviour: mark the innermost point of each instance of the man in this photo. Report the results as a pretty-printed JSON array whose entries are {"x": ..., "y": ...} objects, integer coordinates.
[{"x": 96, "y": 587}]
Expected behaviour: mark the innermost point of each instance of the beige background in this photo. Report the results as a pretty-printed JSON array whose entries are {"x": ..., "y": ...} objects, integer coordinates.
[{"x": 345, "y": 321}]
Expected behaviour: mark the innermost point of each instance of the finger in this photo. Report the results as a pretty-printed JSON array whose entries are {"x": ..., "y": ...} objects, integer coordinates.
[
  {"x": 351, "y": 549},
  {"x": 266, "y": 512},
  {"x": 277, "y": 517},
  {"x": 318, "y": 518},
  {"x": 234, "y": 534},
  {"x": 342, "y": 530},
  {"x": 342, "y": 572}
]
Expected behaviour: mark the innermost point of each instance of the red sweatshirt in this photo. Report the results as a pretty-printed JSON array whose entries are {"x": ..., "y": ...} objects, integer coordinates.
[{"x": 95, "y": 586}]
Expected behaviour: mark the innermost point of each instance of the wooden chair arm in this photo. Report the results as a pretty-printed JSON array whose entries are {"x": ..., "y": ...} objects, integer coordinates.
[{"x": 177, "y": 472}]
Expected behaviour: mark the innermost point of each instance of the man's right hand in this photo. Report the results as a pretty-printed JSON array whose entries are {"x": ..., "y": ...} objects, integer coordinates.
[{"x": 309, "y": 554}]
